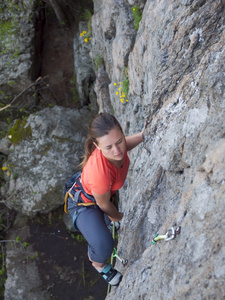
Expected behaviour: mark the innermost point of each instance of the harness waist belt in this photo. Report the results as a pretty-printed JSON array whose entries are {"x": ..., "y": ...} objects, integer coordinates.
[{"x": 77, "y": 189}]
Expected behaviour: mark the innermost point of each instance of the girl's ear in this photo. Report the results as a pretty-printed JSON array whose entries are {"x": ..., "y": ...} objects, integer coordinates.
[{"x": 96, "y": 145}]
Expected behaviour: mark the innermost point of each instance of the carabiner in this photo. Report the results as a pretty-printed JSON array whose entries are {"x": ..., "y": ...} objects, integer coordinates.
[
  {"x": 123, "y": 261},
  {"x": 171, "y": 234}
]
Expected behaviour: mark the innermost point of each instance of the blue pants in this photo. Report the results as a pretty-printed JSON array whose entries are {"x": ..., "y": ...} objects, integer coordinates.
[{"x": 92, "y": 223}]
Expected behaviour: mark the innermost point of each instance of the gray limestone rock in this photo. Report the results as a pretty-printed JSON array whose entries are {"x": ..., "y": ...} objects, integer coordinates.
[
  {"x": 176, "y": 78},
  {"x": 23, "y": 278},
  {"x": 83, "y": 65},
  {"x": 39, "y": 165}
]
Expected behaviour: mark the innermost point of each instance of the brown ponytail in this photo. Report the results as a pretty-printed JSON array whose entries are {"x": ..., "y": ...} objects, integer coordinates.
[{"x": 99, "y": 126}]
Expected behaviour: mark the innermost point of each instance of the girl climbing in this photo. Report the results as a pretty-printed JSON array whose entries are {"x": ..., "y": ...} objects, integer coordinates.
[{"x": 89, "y": 199}]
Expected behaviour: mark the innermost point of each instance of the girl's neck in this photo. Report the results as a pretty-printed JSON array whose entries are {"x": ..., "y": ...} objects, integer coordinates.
[{"x": 118, "y": 164}]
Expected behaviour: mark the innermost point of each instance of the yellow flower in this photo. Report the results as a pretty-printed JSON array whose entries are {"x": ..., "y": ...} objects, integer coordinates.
[
  {"x": 8, "y": 173},
  {"x": 122, "y": 100},
  {"x": 86, "y": 40},
  {"x": 4, "y": 168},
  {"x": 84, "y": 32},
  {"x": 115, "y": 83},
  {"x": 117, "y": 93},
  {"x": 127, "y": 100},
  {"x": 119, "y": 88},
  {"x": 133, "y": 8}
]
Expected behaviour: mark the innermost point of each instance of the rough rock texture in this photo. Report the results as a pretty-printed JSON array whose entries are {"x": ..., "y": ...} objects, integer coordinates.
[
  {"x": 40, "y": 163},
  {"x": 83, "y": 67},
  {"x": 45, "y": 262},
  {"x": 176, "y": 77},
  {"x": 20, "y": 50},
  {"x": 102, "y": 90},
  {"x": 23, "y": 279},
  {"x": 175, "y": 65}
]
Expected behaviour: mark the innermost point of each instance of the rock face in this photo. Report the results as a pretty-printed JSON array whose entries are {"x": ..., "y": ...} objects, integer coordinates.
[
  {"x": 176, "y": 78},
  {"x": 83, "y": 67},
  {"x": 23, "y": 279},
  {"x": 175, "y": 66},
  {"x": 20, "y": 49},
  {"x": 38, "y": 165}
]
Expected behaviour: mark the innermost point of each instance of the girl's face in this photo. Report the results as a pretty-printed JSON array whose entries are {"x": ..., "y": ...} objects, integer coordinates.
[{"x": 112, "y": 145}]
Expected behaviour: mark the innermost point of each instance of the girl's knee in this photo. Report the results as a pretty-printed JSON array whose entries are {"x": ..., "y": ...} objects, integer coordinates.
[
  {"x": 102, "y": 250},
  {"x": 106, "y": 248}
]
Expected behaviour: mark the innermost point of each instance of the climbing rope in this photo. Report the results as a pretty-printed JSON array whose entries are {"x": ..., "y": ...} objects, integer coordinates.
[
  {"x": 111, "y": 259},
  {"x": 115, "y": 254}
]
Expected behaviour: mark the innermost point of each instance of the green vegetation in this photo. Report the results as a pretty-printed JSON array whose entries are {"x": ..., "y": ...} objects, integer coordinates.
[
  {"x": 33, "y": 256},
  {"x": 19, "y": 132},
  {"x": 9, "y": 170},
  {"x": 125, "y": 82},
  {"x": 78, "y": 237},
  {"x": 123, "y": 86},
  {"x": 87, "y": 16},
  {"x": 10, "y": 15},
  {"x": 97, "y": 61},
  {"x": 2, "y": 271},
  {"x": 137, "y": 15}
]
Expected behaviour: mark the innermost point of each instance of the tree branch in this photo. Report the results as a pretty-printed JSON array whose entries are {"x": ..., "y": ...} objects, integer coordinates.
[{"x": 20, "y": 94}]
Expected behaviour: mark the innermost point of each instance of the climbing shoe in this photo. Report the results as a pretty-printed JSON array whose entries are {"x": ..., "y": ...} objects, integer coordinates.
[
  {"x": 112, "y": 276},
  {"x": 117, "y": 226}
]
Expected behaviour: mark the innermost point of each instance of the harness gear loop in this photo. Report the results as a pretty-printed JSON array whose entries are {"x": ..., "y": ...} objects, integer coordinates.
[{"x": 76, "y": 197}]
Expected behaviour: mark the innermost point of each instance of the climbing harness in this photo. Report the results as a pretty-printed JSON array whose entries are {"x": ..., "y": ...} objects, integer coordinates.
[
  {"x": 171, "y": 234},
  {"x": 123, "y": 261},
  {"x": 73, "y": 189}
]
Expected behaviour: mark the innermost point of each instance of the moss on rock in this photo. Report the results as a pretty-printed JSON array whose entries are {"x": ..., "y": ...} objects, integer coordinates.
[{"x": 19, "y": 131}]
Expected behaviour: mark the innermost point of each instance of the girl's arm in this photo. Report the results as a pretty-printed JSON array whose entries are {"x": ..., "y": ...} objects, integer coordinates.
[
  {"x": 104, "y": 203},
  {"x": 134, "y": 140}
]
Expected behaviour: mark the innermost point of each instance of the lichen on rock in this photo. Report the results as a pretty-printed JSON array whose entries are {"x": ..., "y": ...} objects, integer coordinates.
[{"x": 19, "y": 131}]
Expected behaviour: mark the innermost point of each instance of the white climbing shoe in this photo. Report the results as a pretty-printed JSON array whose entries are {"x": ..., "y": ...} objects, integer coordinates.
[{"x": 112, "y": 276}]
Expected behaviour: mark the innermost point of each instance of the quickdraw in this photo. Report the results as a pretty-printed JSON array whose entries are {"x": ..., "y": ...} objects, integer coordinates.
[
  {"x": 171, "y": 234},
  {"x": 114, "y": 254},
  {"x": 123, "y": 261}
]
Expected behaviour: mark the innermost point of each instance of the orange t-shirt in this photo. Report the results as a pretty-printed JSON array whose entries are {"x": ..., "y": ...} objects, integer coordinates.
[{"x": 99, "y": 175}]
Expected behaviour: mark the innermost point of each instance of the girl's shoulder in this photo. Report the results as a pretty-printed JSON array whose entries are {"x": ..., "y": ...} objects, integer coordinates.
[
  {"x": 96, "y": 175},
  {"x": 96, "y": 165}
]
